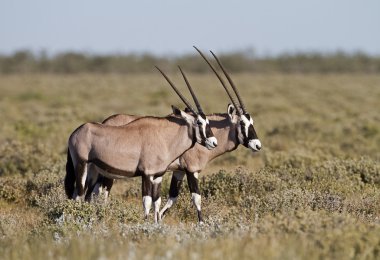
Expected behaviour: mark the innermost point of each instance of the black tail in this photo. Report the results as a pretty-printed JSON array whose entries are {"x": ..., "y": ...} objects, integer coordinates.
[{"x": 70, "y": 176}]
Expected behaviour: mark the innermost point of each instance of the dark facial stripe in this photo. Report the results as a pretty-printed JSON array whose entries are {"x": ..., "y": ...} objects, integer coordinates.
[
  {"x": 200, "y": 127},
  {"x": 208, "y": 131},
  {"x": 251, "y": 132}
]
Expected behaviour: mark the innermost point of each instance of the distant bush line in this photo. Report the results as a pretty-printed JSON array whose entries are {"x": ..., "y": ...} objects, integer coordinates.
[{"x": 74, "y": 62}]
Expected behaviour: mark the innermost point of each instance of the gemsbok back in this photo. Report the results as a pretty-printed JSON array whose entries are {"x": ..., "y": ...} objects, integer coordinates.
[
  {"x": 145, "y": 147},
  {"x": 231, "y": 129}
]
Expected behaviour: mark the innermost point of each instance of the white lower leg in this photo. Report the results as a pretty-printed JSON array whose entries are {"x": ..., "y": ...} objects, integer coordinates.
[
  {"x": 156, "y": 205},
  {"x": 197, "y": 202},
  {"x": 147, "y": 204},
  {"x": 196, "y": 198},
  {"x": 106, "y": 195},
  {"x": 168, "y": 205}
]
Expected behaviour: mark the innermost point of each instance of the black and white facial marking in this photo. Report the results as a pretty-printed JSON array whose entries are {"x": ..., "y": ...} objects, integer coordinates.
[
  {"x": 203, "y": 132},
  {"x": 201, "y": 126},
  {"x": 247, "y": 134}
]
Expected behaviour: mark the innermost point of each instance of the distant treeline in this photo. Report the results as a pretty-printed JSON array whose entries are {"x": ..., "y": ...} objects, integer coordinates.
[{"x": 73, "y": 62}]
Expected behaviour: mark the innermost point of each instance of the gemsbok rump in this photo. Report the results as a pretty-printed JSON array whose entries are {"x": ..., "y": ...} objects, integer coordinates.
[
  {"x": 231, "y": 129},
  {"x": 145, "y": 147}
]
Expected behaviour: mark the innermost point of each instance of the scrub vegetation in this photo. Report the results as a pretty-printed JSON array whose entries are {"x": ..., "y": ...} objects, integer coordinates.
[{"x": 313, "y": 191}]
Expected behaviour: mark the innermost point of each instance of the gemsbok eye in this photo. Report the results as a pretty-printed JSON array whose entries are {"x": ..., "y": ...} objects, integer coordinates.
[{"x": 199, "y": 122}]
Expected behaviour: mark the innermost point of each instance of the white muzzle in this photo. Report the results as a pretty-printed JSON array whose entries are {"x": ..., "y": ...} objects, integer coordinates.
[
  {"x": 255, "y": 145},
  {"x": 211, "y": 143}
]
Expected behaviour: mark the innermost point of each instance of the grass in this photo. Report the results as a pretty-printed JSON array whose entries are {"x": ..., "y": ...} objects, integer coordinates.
[{"x": 312, "y": 192}]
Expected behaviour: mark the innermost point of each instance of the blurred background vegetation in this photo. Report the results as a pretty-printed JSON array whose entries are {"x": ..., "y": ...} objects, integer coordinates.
[{"x": 25, "y": 61}]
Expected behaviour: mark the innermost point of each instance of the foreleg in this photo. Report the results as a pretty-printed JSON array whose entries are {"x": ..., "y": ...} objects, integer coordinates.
[
  {"x": 147, "y": 188},
  {"x": 156, "y": 196},
  {"x": 193, "y": 182}
]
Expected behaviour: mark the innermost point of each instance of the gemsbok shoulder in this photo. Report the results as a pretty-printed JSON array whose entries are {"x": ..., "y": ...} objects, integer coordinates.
[
  {"x": 145, "y": 147},
  {"x": 231, "y": 129}
]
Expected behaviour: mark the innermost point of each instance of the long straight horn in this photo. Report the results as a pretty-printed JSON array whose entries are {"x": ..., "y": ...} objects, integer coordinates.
[
  {"x": 192, "y": 92},
  {"x": 177, "y": 91},
  {"x": 221, "y": 81},
  {"x": 231, "y": 83}
]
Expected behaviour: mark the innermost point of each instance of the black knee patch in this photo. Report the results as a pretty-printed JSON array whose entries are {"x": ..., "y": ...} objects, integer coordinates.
[
  {"x": 193, "y": 183},
  {"x": 175, "y": 187}
]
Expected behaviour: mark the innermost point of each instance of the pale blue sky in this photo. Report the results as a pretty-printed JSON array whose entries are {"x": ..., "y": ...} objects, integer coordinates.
[{"x": 173, "y": 27}]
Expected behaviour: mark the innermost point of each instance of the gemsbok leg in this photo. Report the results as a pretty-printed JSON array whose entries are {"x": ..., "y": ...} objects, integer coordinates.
[
  {"x": 193, "y": 182},
  {"x": 156, "y": 196},
  {"x": 151, "y": 192},
  {"x": 97, "y": 184},
  {"x": 146, "y": 188},
  {"x": 175, "y": 188},
  {"x": 81, "y": 176},
  {"x": 91, "y": 183}
]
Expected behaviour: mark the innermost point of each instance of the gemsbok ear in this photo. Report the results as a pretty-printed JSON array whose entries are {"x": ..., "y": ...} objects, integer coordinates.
[
  {"x": 176, "y": 111},
  {"x": 189, "y": 118},
  {"x": 231, "y": 111}
]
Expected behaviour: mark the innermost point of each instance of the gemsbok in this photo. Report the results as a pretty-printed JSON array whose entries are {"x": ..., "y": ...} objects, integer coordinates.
[
  {"x": 231, "y": 129},
  {"x": 145, "y": 147}
]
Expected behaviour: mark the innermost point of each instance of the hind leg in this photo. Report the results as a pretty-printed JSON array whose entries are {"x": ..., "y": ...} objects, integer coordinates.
[
  {"x": 175, "y": 188},
  {"x": 107, "y": 185},
  {"x": 91, "y": 182},
  {"x": 81, "y": 175}
]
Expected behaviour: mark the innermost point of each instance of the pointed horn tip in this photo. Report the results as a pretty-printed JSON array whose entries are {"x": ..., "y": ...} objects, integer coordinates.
[
  {"x": 213, "y": 54},
  {"x": 198, "y": 50},
  {"x": 191, "y": 91},
  {"x": 231, "y": 83}
]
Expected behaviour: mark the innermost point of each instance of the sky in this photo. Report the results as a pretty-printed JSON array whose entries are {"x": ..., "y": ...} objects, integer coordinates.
[{"x": 169, "y": 27}]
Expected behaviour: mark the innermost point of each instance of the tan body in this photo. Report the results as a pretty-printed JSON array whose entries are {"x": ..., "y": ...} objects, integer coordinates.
[{"x": 146, "y": 145}]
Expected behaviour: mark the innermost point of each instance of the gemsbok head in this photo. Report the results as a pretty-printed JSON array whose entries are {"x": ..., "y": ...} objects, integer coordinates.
[{"x": 246, "y": 132}]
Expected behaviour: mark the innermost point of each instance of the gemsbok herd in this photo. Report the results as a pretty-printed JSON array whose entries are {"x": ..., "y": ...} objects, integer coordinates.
[{"x": 125, "y": 146}]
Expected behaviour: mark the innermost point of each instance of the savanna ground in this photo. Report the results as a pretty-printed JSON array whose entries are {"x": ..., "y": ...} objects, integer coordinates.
[{"x": 312, "y": 192}]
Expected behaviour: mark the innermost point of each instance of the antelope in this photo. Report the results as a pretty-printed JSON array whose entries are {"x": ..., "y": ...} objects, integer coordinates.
[
  {"x": 145, "y": 147},
  {"x": 231, "y": 129}
]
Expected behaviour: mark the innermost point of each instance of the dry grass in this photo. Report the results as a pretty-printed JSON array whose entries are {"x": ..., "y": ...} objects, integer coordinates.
[{"x": 312, "y": 192}]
